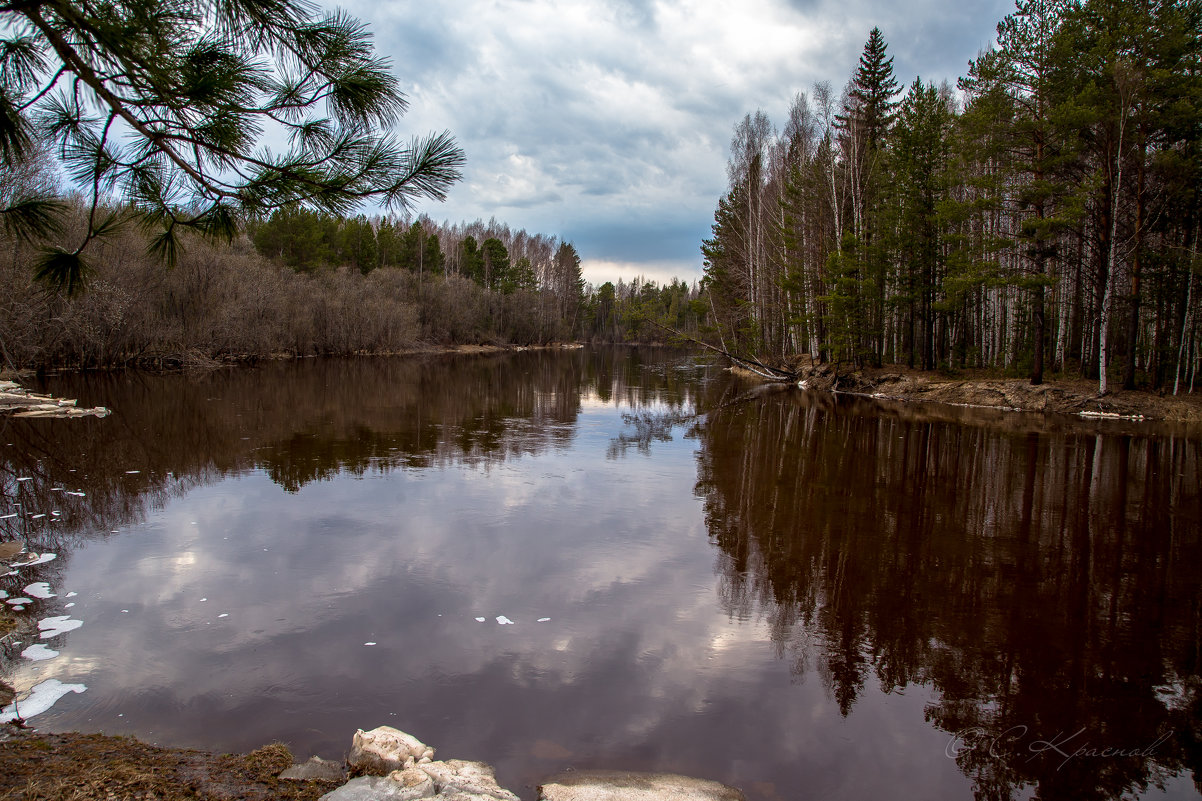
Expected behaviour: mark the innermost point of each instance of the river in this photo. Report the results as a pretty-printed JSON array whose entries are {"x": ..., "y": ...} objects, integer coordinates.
[{"x": 617, "y": 559}]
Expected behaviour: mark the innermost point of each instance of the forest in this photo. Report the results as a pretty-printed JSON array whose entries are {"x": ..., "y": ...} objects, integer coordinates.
[
  {"x": 301, "y": 282},
  {"x": 1040, "y": 217}
]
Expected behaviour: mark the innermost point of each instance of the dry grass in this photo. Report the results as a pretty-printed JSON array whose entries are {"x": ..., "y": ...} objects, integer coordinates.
[{"x": 94, "y": 767}]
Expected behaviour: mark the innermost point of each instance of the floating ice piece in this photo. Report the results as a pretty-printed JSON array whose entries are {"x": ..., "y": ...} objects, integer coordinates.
[
  {"x": 202, "y": 600},
  {"x": 77, "y": 494},
  {"x": 132, "y": 472},
  {"x": 503, "y": 621},
  {"x": 480, "y": 620},
  {"x": 224, "y": 614},
  {"x": 38, "y": 652},
  {"x": 25, "y": 478},
  {"x": 369, "y": 643},
  {"x": 8, "y": 516},
  {"x": 40, "y": 590},
  {"x": 54, "y": 626},
  {"x": 19, "y": 608},
  {"x": 56, "y": 513},
  {"x": 543, "y": 619},
  {"x": 40, "y": 699},
  {"x": 39, "y": 560},
  {"x": 125, "y": 611},
  {"x": 68, "y": 606},
  {"x": 72, "y": 594},
  {"x": 21, "y": 601},
  {"x": 38, "y": 516}
]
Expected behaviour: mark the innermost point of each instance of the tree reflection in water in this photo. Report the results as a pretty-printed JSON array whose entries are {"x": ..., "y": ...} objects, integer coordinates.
[{"x": 1043, "y": 582}]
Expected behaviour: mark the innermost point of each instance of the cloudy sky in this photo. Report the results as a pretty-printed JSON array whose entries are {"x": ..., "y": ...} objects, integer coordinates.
[{"x": 606, "y": 122}]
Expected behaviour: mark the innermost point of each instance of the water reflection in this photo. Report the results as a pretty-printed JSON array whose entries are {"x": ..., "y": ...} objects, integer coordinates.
[
  {"x": 769, "y": 588},
  {"x": 1045, "y": 586}
]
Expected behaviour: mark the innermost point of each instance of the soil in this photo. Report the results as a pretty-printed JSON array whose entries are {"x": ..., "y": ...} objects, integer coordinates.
[
  {"x": 79, "y": 767},
  {"x": 1064, "y": 396}
]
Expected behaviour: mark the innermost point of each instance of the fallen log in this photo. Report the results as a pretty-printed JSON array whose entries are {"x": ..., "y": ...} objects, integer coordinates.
[{"x": 20, "y": 402}]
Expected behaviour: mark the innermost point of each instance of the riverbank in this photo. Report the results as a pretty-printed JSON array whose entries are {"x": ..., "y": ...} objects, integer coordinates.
[
  {"x": 389, "y": 764},
  {"x": 1064, "y": 396}
]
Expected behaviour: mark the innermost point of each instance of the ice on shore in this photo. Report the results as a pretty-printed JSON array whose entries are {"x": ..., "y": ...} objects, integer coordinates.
[
  {"x": 38, "y": 652},
  {"x": 60, "y": 624},
  {"x": 39, "y": 590},
  {"x": 40, "y": 699}
]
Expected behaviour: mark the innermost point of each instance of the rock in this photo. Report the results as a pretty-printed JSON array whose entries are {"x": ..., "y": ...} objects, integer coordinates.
[
  {"x": 384, "y": 749},
  {"x": 474, "y": 779},
  {"x": 415, "y": 780},
  {"x": 616, "y": 785},
  {"x": 315, "y": 770},
  {"x": 378, "y": 788}
]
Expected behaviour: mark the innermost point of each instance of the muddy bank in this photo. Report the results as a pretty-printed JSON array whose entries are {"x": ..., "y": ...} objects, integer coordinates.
[{"x": 1076, "y": 397}]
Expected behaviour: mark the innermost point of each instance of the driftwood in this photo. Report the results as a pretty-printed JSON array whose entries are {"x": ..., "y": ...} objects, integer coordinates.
[
  {"x": 20, "y": 402},
  {"x": 749, "y": 363}
]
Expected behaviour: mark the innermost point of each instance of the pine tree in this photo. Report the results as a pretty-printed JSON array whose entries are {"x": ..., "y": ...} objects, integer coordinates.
[{"x": 157, "y": 108}]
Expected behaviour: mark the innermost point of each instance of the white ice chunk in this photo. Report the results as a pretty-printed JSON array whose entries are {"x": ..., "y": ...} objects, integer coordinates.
[
  {"x": 8, "y": 516},
  {"x": 132, "y": 472},
  {"x": 369, "y": 643},
  {"x": 72, "y": 594},
  {"x": 3, "y": 594},
  {"x": 543, "y": 619},
  {"x": 19, "y": 608},
  {"x": 54, "y": 626},
  {"x": 18, "y": 601},
  {"x": 202, "y": 600},
  {"x": 68, "y": 606},
  {"x": 38, "y": 652},
  {"x": 224, "y": 614},
  {"x": 38, "y": 516},
  {"x": 25, "y": 478},
  {"x": 42, "y": 559},
  {"x": 39, "y": 590},
  {"x": 479, "y": 620},
  {"x": 504, "y": 621},
  {"x": 40, "y": 699}
]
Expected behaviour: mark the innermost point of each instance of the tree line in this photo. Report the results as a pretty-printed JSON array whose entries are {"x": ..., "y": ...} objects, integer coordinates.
[
  {"x": 1041, "y": 216},
  {"x": 301, "y": 282}
]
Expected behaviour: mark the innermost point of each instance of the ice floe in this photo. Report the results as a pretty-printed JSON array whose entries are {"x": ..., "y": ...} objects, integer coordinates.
[
  {"x": 369, "y": 643},
  {"x": 504, "y": 621},
  {"x": 480, "y": 619},
  {"x": 18, "y": 601},
  {"x": 39, "y": 559},
  {"x": 72, "y": 594},
  {"x": 40, "y": 699},
  {"x": 40, "y": 590},
  {"x": 543, "y": 619},
  {"x": 38, "y": 652},
  {"x": 54, "y": 626}
]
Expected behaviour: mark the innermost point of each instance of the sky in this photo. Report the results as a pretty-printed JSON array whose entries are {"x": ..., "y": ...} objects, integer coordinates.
[{"x": 607, "y": 123}]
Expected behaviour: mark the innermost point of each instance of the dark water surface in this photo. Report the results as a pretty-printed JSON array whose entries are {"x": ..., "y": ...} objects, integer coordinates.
[{"x": 800, "y": 595}]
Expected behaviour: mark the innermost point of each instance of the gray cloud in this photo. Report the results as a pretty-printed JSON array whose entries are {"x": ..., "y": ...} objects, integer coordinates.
[{"x": 607, "y": 121}]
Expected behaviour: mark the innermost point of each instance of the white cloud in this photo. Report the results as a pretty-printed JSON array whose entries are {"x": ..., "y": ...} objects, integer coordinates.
[{"x": 607, "y": 123}]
